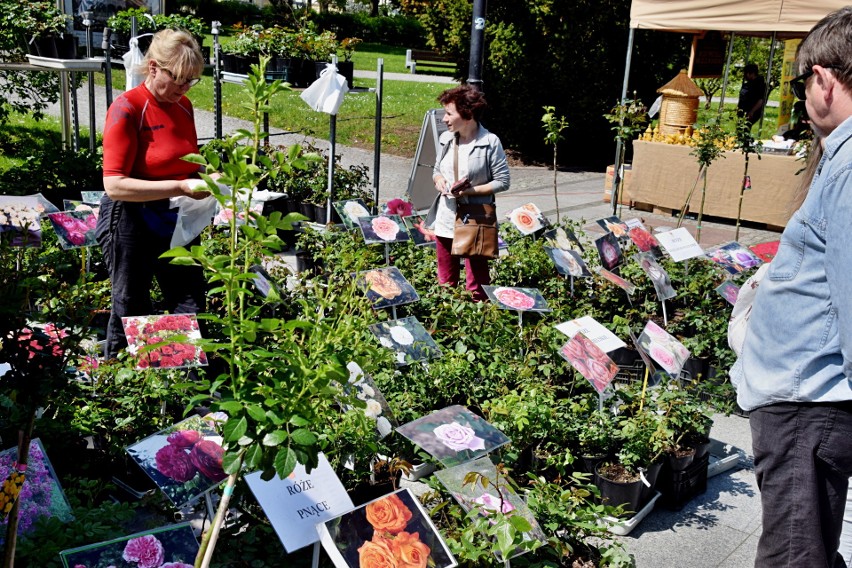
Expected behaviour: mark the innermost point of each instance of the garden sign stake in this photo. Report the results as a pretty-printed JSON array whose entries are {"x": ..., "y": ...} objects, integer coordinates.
[
  {"x": 644, "y": 388},
  {"x": 316, "y": 556},
  {"x": 665, "y": 318}
]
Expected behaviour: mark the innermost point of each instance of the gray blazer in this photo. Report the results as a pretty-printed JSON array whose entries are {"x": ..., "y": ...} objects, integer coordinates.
[{"x": 486, "y": 164}]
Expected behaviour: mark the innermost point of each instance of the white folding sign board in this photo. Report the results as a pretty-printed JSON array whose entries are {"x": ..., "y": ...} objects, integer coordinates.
[
  {"x": 679, "y": 244},
  {"x": 295, "y": 505},
  {"x": 591, "y": 328}
]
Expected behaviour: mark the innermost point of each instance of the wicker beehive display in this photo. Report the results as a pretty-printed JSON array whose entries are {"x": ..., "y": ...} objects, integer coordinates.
[{"x": 679, "y": 109}]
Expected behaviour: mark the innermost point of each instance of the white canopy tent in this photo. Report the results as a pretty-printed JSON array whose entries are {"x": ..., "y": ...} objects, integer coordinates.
[{"x": 779, "y": 18}]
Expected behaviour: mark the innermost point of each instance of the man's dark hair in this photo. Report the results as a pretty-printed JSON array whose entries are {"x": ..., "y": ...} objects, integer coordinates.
[
  {"x": 750, "y": 68},
  {"x": 829, "y": 44},
  {"x": 469, "y": 102}
]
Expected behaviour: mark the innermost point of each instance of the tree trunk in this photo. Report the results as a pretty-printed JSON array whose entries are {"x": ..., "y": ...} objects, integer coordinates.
[{"x": 374, "y": 9}]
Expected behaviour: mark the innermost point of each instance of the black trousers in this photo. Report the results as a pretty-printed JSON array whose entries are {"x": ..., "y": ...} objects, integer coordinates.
[
  {"x": 132, "y": 245},
  {"x": 803, "y": 461}
]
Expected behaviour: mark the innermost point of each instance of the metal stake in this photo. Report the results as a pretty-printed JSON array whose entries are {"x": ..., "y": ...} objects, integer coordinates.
[
  {"x": 217, "y": 80},
  {"x": 91, "y": 76},
  {"x": 377, "y": 144}
]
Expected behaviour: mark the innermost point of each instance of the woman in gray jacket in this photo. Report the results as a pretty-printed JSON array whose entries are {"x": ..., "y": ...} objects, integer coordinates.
[{"x": 482, "y": 161}]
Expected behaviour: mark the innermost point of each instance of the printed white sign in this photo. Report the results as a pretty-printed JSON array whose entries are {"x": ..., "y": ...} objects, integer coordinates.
[
  {"x": 597, "y": 333},
  {"x": 679, "y": 244},
  {"x": 295, "y": 505}
]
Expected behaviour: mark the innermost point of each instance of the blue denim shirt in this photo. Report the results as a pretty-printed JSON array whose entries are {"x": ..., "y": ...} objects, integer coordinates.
[{"x": 798, "y": 345}]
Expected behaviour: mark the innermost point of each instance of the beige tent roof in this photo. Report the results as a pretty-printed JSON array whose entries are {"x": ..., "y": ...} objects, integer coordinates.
[{"x": 741, "y": 16}]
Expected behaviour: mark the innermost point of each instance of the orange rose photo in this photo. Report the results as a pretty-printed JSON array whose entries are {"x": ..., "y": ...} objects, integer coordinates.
[{"x": 393, "y": 530}]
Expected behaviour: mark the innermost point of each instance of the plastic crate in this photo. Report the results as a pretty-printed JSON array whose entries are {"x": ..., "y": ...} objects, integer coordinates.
[{"x": 677, "y": 488}]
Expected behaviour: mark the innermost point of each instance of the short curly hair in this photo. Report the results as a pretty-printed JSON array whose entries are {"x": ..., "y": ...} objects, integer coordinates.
[{"x": 469, "y": 102}]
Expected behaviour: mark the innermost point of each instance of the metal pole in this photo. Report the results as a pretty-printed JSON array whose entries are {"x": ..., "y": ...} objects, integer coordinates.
[
  {"x": 75, "y": 111},
  {"x": 727, "y": 73},
  {"x": 332, "y": 135},
  {"x": 616, "y": 175},
  {"x": 217, "y": 80},
  {"x": 107, "y": 47},
  {"x": 767, "y": 82},
  {"x": 64, "y": 112},
  {"x": 377, "y": 145},
  {"x": 477, "y": 44},
  {"x": 91, "y": 77}
]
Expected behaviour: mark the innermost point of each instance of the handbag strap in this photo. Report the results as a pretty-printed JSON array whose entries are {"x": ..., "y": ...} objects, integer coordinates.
[{"x": 456, "y": 158}]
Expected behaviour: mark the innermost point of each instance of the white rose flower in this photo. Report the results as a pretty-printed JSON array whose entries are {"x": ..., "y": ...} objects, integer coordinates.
[
  {"x": 373, "y": 408},
  {"x": 400, "y": 357},
  {"x": 386, "y": 342},
  {"x": 401, "y": 335},
  {"x": 355, "y": 371}
]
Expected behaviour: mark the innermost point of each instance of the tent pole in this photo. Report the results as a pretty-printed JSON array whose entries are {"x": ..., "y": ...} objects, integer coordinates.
[
  {"x": 727, "y": 73},
  {"x": 768, "y": 81},
  {"x": 616, "y": 175}
]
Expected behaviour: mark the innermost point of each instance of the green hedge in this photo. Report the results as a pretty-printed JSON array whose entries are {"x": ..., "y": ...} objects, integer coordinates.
[{"x": 400, "y": 31}]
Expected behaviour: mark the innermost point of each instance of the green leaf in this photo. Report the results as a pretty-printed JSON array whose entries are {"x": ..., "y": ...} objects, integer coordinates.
[
  {"x": 520, "y": 523},
  {"x": 275, "y": 438},
  {"x": 231, "y": 462},
  {"x": 303, "y": 437},
  {"x": 298, "y": 421},
  {"x": 285, "y": 462},
  {"x": 195, "y": 159},
  {"x": 235, "y": 429},
  {"x": 254, "y": 455},
  {"x": 505, "y": 536},
  {"x": 230, "y": 406},
  {"x": 256, "y": 412}
]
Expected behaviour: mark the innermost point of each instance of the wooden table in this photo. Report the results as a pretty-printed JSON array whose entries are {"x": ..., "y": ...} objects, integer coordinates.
[{"x": 663, "y": 175}]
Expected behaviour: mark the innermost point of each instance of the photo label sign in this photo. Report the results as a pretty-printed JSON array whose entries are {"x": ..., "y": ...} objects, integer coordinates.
[
  {"x": 297, "y": 504},
  {"x": 594, "y": 330},
  {"x": 679, "y": 244}
]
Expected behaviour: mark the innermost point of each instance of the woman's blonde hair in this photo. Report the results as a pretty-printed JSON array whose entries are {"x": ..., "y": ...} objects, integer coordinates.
[{"x": 177, "y": 51}]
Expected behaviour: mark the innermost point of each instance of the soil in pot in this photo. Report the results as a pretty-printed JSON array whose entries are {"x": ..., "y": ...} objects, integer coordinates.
[
  {"x": 681, "y": 459},
  {"x": 619, "y": 487}
]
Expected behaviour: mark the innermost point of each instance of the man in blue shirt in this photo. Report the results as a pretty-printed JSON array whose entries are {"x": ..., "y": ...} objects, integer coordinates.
[{"x": 794, "y": 372}]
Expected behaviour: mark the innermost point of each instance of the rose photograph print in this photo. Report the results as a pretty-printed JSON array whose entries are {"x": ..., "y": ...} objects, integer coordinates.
[
  {"x": 264, "y": 284},
  {"x": 568, "y": 262},
  {"x": 350, "y": 211},
  {"x": 166, "y": 547},
  {"x": 184, "y": 460},
  {"x": 667, "y": 351},
  {"x": 590, "y": 361},
  {"x": 376, "y": 407},
  {"x": 383, "y": 229},
  {"x": 92, "y": 197},
  {"x": 39, "y": 494},
  {"x": 164, "y": 342},
  {"x": 613, "y": 225},
  {"x": 617, "y": 280},
  {"x": 408, "y": 339},
  {"x": 453, "y": 435},
  {"x": 645, "y": 241},
  {"x": 75, "y": 229},
  {"x": 526, "y": 218},
  {"x": 609, "y": 251},
  {"x": 734, "y": 257},
  {"x": 496, "y": 496},
  {"x": 391, "y": 532},
  {"x": 657, "y": 274},
  {"x": 518, "y": 299},
  {"x": 416, "y": 227},
  {"x": 20, "y": 224},
  {"x": 386, "y": 287},
  {"x": 562, "y": 238},
  {"x": 729, "y": 291},
  {"x": 225, "y": 214}
]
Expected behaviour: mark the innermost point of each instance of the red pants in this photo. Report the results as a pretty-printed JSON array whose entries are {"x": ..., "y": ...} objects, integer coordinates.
[{"x": 476, "y": 269}]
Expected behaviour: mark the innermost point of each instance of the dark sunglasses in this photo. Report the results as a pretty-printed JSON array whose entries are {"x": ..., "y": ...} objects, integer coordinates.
[
  {"x": 190, "y": 82},
  {"x": 797, "y": 84}
]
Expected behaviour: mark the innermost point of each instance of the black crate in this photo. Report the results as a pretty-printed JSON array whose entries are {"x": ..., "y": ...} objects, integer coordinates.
[{"x": 678, "y": 488}]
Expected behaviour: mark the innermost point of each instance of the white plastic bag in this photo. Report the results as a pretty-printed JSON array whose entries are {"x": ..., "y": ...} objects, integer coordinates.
[
  {"x": 132, "y": 61},
  {"x": 741, "y": 313},
  {"x": 193, "y": 214},
  {"x": 326, "y": 93}
]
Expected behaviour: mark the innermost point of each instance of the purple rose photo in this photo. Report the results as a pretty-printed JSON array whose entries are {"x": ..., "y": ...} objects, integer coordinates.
[
  {"x": 734, "y": 257},
  {"x": 454, "y": 435},
  {"x": 729, "y": 291},
  {"x": 609, "y": 251},
  {"x": 185, "y": 460},
  {"x": 166, "y": 547}
]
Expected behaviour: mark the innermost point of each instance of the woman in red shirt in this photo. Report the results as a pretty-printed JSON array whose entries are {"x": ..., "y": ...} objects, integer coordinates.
[{"x": 148, "y": 130}]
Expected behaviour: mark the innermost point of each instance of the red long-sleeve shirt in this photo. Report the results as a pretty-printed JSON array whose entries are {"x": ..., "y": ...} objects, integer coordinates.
[{"x": 145, "y": 139}]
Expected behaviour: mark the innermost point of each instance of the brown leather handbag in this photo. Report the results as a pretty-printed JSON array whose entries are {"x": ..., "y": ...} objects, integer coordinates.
[{"x": 475, "y": 232}]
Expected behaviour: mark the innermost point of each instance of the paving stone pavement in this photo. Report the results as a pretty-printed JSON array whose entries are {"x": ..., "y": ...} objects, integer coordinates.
[{"x": 717, "y": 529}]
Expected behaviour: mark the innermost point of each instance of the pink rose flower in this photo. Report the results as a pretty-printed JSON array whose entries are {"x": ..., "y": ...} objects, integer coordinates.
[
  {"x": 492, "y": 503},
  {"x": 207, "y": 456},
  {"x": 176, "y": 565},
  {"x": 399, "y": 207},
  {"x": 174, "y": 463},
  {"x": 385, "y": 228},
  {"x": 514, "y": 298},
  {"x": 663, "y": 357},
  {"x": 184, "y": 438},
  {"x": 146, "y": 551},
  {"x": 458, "y": 437}
]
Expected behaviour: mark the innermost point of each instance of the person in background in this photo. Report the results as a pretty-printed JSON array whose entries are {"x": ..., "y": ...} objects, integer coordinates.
[
  {"x": 795, "y": 369},
  {"x": 148, "y": 130},
  {"x": 482, "y": 161},
  {"x": 752, "y": 93}
]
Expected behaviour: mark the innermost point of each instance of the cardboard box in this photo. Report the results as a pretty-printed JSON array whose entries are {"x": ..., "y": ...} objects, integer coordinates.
[{"x": 624, "y": 198}]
